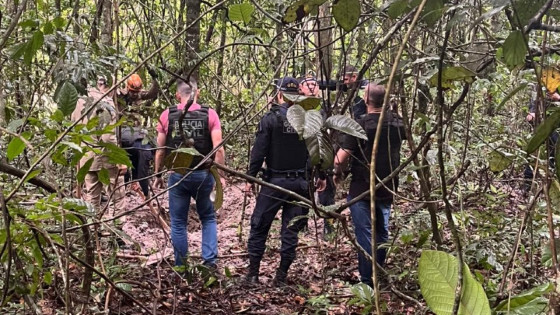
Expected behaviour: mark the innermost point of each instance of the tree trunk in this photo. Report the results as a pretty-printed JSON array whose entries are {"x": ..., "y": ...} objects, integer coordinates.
[
  {"x": 220, "y": 69},
  {"x": 322, "y": 39},
  {"x": 95, "y": 24},
  {"x": 192, "y": 37},
  {"x": 107, "y": 28}
]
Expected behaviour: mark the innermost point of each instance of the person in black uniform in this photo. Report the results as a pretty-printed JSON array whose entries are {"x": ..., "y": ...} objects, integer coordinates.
[
  {"x": 309, "y": 86},
  {"x": 277, "y": 144},
  {"x": 387, "y": 160},
  {"x": 358, "y": 108}
]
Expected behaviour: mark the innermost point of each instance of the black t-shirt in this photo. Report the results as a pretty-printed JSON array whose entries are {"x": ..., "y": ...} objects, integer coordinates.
[{"x": 388, "y": 154}]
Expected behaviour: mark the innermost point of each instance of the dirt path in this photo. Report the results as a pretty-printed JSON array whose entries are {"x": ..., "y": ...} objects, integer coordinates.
[{"x": 320, "y": 278}]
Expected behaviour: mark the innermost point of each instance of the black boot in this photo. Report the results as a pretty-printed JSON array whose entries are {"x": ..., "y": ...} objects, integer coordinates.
[
  {"x": 282, "y": 273},
  {"x": 253, "y": 276}
]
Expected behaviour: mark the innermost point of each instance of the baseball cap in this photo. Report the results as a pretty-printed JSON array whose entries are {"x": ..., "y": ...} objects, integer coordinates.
[
  {"x": 287, "y": 85},
  {"x": 134, "y": 83},
  {"x": 306, "y": 78}
]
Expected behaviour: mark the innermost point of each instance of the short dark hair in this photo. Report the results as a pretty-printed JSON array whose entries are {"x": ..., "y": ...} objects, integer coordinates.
[
  {"x": 349, "y": 69},
  {"x": 376, "y": 95},
  {"x": 185, "y": 89}
]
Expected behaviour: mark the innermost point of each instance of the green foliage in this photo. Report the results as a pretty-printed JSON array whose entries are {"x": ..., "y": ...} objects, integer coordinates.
[
  {"x": 219, "y": 199},
  {"x": 66, "y": 98},
  {"x": 527, "y": 303},
  {"x": 116, "y": 154},
  {"x": 363, "y": 296},
  {"x": 451, "y": 75},
  {"x": 347, "y": 13},
  {"x": 181, "y": 159},
  {"x": 16, "y": 146},
  {"x": 499, "y": 161},
  {"x": 398, "y": 7},
  {"x": 300, "y": 9},
  {"x": 514, "y": 49},
  {"x": 437, "y": 274},
  {"x": 104, "y": 177},
  {"x": 308, "y": 125},
  {"x": 432, "y": 12},
  {"x": 510, "y": 95},
  {"x": 543, "y": 131},
  {"x": 345, "y": 125},
  {"x": 524, "y": 10},
  {"x": 320, "y": 150},
  {"x": 242, "y": 12}
]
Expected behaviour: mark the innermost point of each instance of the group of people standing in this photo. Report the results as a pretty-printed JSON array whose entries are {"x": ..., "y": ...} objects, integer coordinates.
[{"x": 278, "y": 146}]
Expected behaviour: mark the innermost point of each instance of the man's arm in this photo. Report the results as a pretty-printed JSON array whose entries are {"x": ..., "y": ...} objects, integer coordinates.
[
  {"x": 160, "y": 152},
  {"x": 220, "y": 156},
  {"x": 260, "y": 148},
  {"x": 152, "y": 93}
]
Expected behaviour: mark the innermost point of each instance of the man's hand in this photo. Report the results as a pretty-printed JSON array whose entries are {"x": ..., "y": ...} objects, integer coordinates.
[
  {"x": 223, "y": 182},
  {"x": 122, "y": 169},
  {"x": 249, "y": 188},
  {"x": 338, "y": 179},
  {"x": 152, "y": 72},
  {"x": 530, "y": 117},
  {"x": 320, "y": 185},
  {"x": 158, "y": 183},
  {"x": 555, "y": 97}
]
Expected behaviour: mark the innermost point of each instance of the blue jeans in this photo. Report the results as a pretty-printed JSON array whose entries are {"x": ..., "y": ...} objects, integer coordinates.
[
  {"x": 197, "y": 185},
  {"x": 361, "y": 218}
]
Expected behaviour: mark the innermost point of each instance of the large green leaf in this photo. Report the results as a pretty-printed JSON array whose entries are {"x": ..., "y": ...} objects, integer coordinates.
[
  {"x": 543, "y": 131},
  {"x": 437, "y": 274},
  {"x": 525, "y": 10},
  {"x": 514, "y": 49},
  {"x": 432, "y": 12},
  {"x": 320, "y": 151},
  {"x": 35, "y": 42},
  {"x": 104, "y": 177},
  {"x": 452, "y": 74},
  {"x": 116, "y": 154},
  {"x": 66, "y": 98},
  {"x": 347, "y": 13},
  {"x": 313, "y": 123},
  {"x": 241, "y": 12},
  {"x": 397, "y": 8},
  {"x": 307, "y": 102},
  {"x": 546, "y": 258},
  {"x": 300, "y": 9},
  {"x": 347, "y": 125},
  {"x": 499, "y": 161},
  {"x": 296, "y": 118},
  {"x": 181, "y": 159},
  {"x": 15, "y": 148},
  {"x": 528, "y": 302},
  {"x": 84, "y": 170},
  {"x": 554, "y": 194},
  {"x": 219, "y": 198}
]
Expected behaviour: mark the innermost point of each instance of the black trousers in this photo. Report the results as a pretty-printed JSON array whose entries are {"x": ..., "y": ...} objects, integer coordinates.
[
  {"x": 140, "y": 158},
  {"x": 268, "y": 203},
  {"x": 551, "y": 142},
  {"x": 326, "y": 198}
]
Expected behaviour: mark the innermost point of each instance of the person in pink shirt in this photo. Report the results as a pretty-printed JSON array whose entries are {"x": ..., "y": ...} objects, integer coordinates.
[{"x": 201, "y": 131}]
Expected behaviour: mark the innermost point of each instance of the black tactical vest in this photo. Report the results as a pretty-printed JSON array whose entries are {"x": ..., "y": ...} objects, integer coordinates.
[
  {"x": 287, "y": 151},
  {"x": 195, "y": 127}
]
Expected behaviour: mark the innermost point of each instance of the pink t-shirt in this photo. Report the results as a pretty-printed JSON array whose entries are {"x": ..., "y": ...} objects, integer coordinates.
[{"x": 213, "y": 119}]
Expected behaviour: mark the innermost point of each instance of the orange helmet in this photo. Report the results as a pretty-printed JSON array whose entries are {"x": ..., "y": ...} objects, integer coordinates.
[{"x": 134, "y": 83}]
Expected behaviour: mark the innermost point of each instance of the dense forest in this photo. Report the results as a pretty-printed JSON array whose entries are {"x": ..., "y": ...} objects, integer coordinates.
[{"x": 470, "y": 232}]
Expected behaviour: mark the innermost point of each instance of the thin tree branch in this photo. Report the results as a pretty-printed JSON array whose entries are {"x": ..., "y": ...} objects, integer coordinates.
[{"x": 12, "y": 25}]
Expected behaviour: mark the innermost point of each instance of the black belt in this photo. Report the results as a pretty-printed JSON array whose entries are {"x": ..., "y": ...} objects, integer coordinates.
[{"x": 287, "y": 173}]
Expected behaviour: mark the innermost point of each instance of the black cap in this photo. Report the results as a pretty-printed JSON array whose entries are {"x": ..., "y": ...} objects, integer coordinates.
[{"x": 288, "y": 85}]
